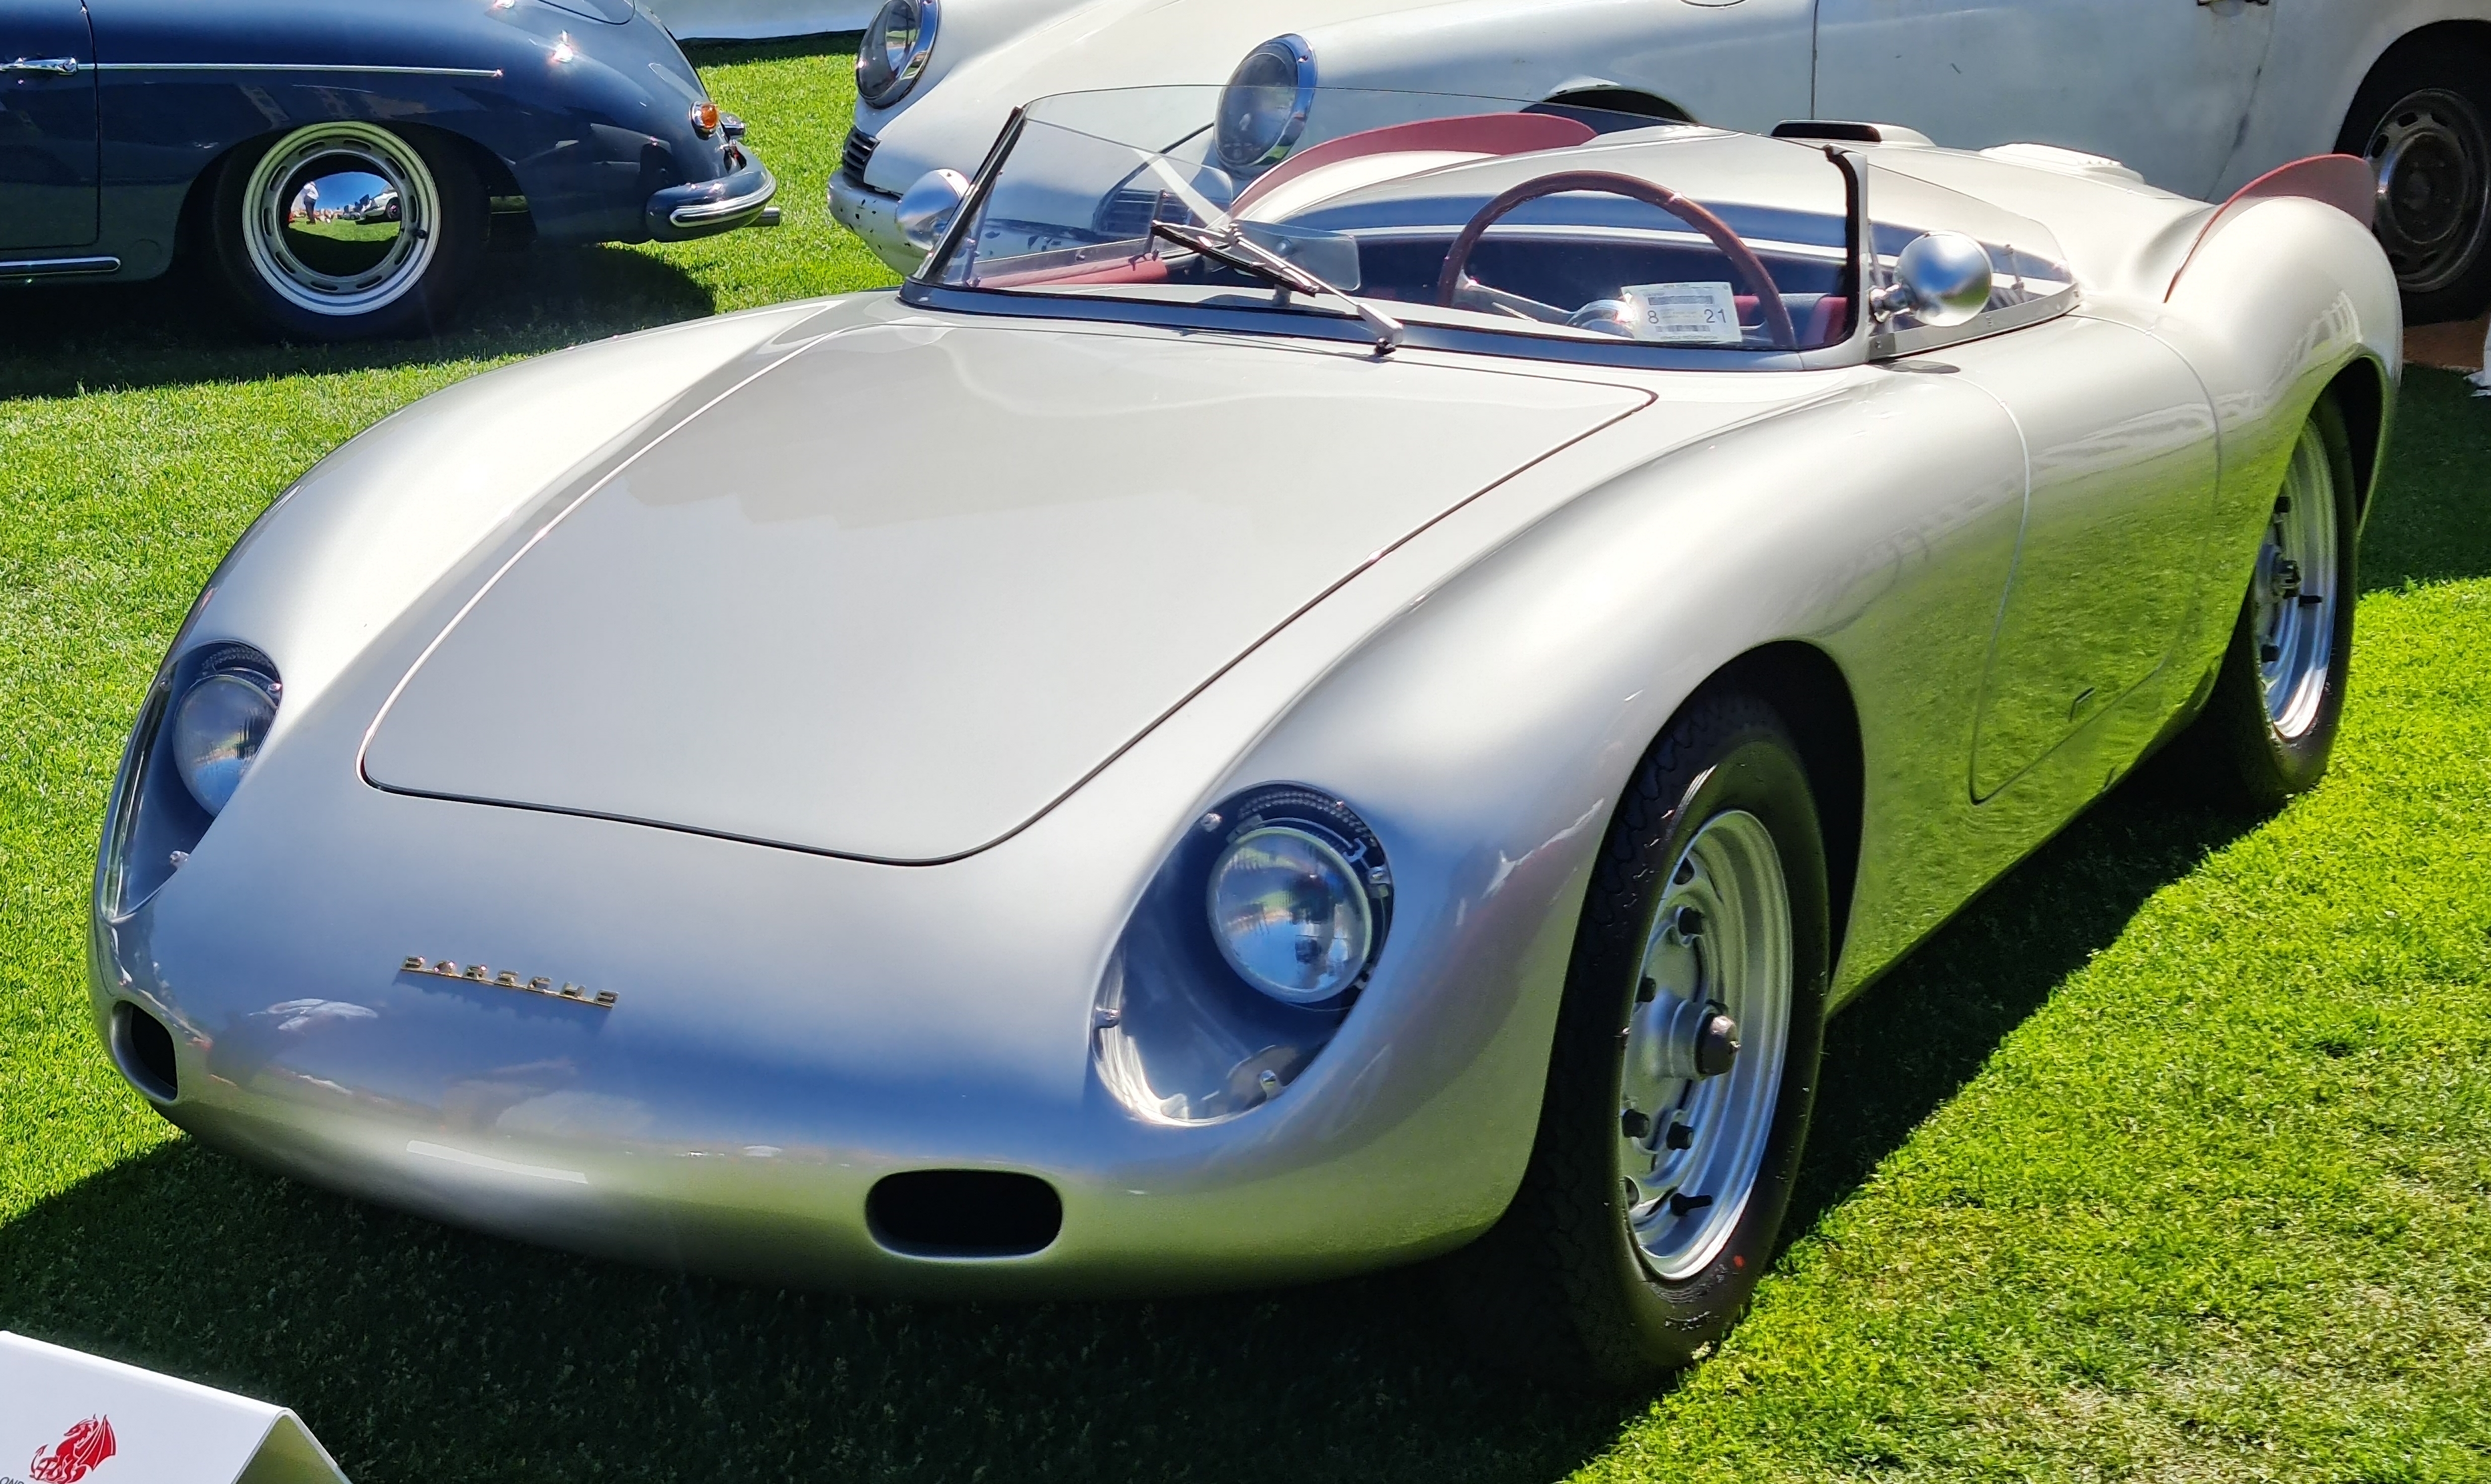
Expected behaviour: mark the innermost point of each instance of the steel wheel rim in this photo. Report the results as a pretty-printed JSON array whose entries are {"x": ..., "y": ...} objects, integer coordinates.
[
  {"x": 1682, "y": 1203},
  {"x": 333, "y": 150},
  {"x": 2294, "y": 596},
  {"x": 2433, "y": 159}
]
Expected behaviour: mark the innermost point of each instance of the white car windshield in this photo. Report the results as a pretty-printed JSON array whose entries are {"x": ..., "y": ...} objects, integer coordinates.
[{"x": 1429, "y": 208}]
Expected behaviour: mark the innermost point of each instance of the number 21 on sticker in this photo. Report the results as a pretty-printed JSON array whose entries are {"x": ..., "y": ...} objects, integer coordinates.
[{"x": 1683, "y": 313}]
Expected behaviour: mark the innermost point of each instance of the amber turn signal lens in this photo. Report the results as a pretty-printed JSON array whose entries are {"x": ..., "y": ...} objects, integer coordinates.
[{"x": 704, "y": 118}]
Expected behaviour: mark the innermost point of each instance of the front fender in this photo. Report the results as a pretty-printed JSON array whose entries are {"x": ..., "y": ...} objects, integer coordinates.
[{"x": 1518, "y": 660}]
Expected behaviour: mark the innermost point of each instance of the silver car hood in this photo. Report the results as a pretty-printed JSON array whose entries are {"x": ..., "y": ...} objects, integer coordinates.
[{"x": 896, "y": 595}]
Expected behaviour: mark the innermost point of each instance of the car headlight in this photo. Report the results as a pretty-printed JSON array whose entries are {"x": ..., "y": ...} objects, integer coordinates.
[
  {"x": 1263, "y": 108},
  {"x": 220, "y": 722},
  {"x": 1289, "y": 913},
  {"x": 1244, "y": 957},
  {"x": 896, "y": 46}
]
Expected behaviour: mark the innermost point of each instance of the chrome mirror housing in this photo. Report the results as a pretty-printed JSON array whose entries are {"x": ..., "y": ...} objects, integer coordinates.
[
  {"x": 925, "y": 210},
  {"x": 1942, "y": 280}
]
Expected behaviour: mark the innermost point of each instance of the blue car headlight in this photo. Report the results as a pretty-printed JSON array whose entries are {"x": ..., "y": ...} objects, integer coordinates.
[{"x": 1244, "y": 956}]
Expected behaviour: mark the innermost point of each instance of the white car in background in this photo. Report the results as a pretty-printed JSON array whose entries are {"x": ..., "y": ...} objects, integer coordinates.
[{"x": 2198, "y": 99}]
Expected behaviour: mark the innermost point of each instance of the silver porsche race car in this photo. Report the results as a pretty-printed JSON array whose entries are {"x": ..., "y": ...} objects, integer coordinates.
[{"x": 1265, "y": 714}]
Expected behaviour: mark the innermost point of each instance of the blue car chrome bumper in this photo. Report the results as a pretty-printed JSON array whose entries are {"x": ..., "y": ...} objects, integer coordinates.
[{"x": 741, "y": 197}]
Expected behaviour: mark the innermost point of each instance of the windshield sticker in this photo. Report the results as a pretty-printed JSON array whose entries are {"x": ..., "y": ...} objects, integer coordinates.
[{"x": 1683, "y": 313}]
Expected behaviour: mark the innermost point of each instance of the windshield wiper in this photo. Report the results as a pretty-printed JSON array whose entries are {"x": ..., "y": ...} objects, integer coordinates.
[{"x": 1241, "y": 253}]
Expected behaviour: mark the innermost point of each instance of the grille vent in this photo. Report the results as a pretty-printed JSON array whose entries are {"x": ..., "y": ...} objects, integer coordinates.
[{"x": 857, "y": 153}]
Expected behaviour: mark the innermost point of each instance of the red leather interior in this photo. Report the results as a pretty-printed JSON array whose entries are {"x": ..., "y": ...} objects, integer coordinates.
[{"x": 1133, "y": 269}]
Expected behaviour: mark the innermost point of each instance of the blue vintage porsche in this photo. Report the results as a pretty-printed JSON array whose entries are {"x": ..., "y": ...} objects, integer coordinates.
[{"x": 342, "y": 163}]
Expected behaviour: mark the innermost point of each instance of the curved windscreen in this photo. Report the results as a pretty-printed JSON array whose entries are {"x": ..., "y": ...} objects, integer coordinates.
[{"x": 1420, "y": 208}]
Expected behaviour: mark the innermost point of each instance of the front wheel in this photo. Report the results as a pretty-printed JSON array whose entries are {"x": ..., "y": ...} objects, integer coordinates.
[
  {"x": 345, "y": 230},
  {"x": 1684, "y": 1069}
]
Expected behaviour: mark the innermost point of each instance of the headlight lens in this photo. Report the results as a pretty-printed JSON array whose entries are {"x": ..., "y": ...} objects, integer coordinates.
[
  {"x": 1290, "y": 912},
  {"x": 217, "y": 726},
  {"x": 896, "y": 46},
  {"x": 1263, "y": 108}
]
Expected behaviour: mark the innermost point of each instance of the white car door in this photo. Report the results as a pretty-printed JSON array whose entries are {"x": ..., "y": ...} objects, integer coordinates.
[{"x": 2161, "y": 85}]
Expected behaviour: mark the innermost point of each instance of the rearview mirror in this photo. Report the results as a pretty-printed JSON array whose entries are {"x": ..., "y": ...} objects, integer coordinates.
[
  {"x": 1941, "y": 279},
  {"x": 928, "y": 208}
]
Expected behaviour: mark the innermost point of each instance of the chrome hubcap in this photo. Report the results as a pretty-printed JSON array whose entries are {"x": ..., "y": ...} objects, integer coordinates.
[
  {"x": 1703, "y": 1047},
  {"x": 339, "y": 218},
  {"x": 2293, "y": 596},
  {"x": 2433, "y": 160}
]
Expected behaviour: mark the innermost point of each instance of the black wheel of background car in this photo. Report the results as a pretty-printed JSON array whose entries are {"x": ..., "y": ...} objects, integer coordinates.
[
  {"x": 2278, "y": 698},
  {"x": 2423, "y": 121},
  {"x": 1683, "y": 1068},
  {"x": 343, "y": 230}
]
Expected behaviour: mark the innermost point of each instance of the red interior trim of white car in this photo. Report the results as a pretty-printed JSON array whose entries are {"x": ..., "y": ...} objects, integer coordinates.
[
  {"x": 2345, "y": 182},
  {"x": 1477, "y": 133},
  {"x": 1133, "y": 269}
]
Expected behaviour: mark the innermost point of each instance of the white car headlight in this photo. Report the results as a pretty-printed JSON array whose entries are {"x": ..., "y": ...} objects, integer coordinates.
[
  {"x": 1245, "y": 953},
  {"x": 896, "y": 46},
  {"x": 1289, "y": 913},
  {"x": 220, "y": 722},
  {"x": 1263, "y": 108}
]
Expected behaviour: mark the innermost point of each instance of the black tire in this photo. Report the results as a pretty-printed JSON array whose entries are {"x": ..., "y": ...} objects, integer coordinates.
[
  {"x": 1560, "y": 1286},
  {"x": 2424, "y": 118},
  {"x": 2266, "y": 759},
  {"x": 399, "y": 267}
]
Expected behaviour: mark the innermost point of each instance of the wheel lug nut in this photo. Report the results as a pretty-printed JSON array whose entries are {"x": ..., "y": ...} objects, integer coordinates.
[
  {"x": 1716, "y": 1045},
  {"x": 1633, "y": 1124},
  {"x": 1691, "y": 922},
  {"x": 1679, "y": 1136},
  {"x": 2268, "y": 654}
]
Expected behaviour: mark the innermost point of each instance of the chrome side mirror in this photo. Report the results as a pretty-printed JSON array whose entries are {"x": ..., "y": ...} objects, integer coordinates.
[
  {"x": 925, "y": 210},
  {"x": 1942, "y": 280}
]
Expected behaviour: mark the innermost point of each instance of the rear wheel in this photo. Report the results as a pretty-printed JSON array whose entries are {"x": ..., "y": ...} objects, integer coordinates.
[
  {"x": 2279, "y": 697},
  {"x": 1683, "y": 1068},
  {"x": 346, "y": 229},
  {"x": 2423, "y": 121}
]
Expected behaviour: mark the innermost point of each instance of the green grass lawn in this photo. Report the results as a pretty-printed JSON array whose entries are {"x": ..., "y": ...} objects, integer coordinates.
[{"x": 2169, "y": 1159}]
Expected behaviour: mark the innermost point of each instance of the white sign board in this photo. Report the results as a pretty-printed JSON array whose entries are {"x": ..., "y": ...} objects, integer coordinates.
[
  {"x": 1683, "y": 313},
  {"x": 72, "y": 1418}
]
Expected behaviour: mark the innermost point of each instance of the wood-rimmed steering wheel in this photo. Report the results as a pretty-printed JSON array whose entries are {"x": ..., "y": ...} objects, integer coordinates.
[{"x": 1750, "y": 268}]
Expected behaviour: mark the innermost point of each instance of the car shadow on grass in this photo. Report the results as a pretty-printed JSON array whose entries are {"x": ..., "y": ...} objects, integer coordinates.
[
  {"x": 177, "y": 331},
  {"x": 2431, "y": 520},
  {"x": 1911, "y": 1042},
  {"x": 416, "y": 1352}
]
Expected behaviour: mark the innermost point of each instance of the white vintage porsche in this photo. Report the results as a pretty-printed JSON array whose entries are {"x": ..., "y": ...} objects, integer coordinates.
[
  {"x": 2199, "y": 97},
  {"x": 1251, "y": 722}
]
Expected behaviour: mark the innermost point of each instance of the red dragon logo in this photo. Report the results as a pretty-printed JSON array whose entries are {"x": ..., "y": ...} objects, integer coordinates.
[{"x": 74, "y": 1456}]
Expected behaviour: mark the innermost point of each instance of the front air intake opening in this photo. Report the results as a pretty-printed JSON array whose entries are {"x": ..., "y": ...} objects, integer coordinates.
[
  {"x": 144, "y": 1050},
  {"x": 964, "y": 1213}
]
